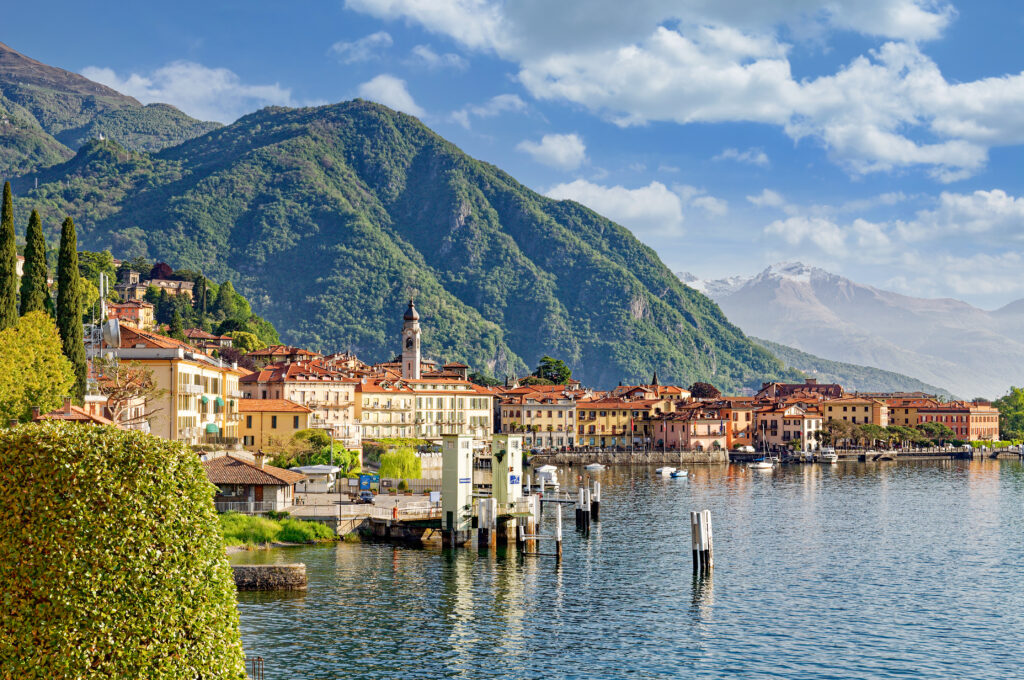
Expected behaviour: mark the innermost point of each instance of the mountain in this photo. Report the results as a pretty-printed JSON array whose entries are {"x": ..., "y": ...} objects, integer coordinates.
[
  {"x": 851, "y": 376},
  {"x": 47, "y": 113},
  {"x": 972, "y": 352},
  {"x": 330, "y": 218}
]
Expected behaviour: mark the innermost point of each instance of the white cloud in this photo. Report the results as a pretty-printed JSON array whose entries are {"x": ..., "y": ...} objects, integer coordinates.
[
  {"x": 711, "y": 205},
  {"x": 710, "y": 62},
  {"x": 824, "y": 234},
  {"x": 427, "y": 57},
  {"x": 768, "y": 199},
  {"x": 364, "y": 49},
  {"x": 202, "y": 92},
  {"x": 752, "y": 156},
  {"x": 565, "y": 152},
  {"x": 390, "y": 91},
  {"x": 494, "y": 106},
  {"x": 650, "y": 211},
  {"x": 983, "y": 212}
]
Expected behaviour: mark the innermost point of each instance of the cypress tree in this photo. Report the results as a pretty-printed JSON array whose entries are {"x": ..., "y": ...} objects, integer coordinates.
[
  {"x": 69, "y": 305},
  {"x": 34, "y": 291},
  {"x": 8, "y": 263}
]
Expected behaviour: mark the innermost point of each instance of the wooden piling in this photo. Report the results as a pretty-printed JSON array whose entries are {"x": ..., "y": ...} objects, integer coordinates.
[
  {"x": 701, "y": 541},
  {"x": 558, "y": 533}
]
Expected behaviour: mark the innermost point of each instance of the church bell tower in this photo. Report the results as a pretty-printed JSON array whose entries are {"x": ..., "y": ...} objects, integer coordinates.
[{"x": 411, "y": 343}]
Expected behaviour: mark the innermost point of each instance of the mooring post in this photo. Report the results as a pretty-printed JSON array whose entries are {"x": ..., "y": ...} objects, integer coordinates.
[
  {"x": 586, "y": 511},
  {"x": 519, "y": 537},
  {"x": 533, "y": 522},
  {"x": 703, "y": 552},
  {"x": 558, "y": 533},
  {"x": 482, "y": 527},
  {"x": 595, "y": 503},
  {"x": 581, "y": 499}
]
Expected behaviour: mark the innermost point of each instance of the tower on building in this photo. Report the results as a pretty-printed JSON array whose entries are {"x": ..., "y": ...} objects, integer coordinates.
[{"x": 411, "y": 343}]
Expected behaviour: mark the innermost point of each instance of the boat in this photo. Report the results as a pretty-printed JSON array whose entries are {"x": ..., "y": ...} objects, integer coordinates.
[
  {"x": 761, "y": 464},
  {"x": 594, "y": 467},
  {"x": 676, "y": 474},
  {"x": 828, "y": 456},
  {"x": 547, "y": 477},
  {"x": 665, "y": 471}
]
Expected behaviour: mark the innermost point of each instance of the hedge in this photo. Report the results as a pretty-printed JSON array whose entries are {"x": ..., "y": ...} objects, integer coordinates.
[
  {"x": 111, "y": 559},
  {"x": 239, "y": 529}
]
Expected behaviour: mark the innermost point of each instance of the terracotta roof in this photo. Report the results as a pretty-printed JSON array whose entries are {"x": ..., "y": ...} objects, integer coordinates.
[
  {"x": 296, "y": 371},
  {"x": 200, "y": 334},
  {"x": 455, "y": 364},
  {"x": 76, "y": 414},
  {"x": 130, "y": 303},
  {"x": 271, "y": 406},
  {"x": 231, "y": 470},
  {"x": 281, "y": 350},
  {"x": 131, "y": 336}
]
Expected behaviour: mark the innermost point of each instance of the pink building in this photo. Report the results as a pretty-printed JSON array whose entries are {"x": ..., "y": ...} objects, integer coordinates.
[{"x": 694, "y": 427}]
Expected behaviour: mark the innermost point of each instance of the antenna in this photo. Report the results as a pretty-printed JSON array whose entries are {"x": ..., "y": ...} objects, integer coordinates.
[{"x": 112, "y": 333}]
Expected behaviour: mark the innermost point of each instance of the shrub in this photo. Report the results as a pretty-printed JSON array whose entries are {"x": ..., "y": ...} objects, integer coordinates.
[
  {"x": 295, "y": 531},
  {"x": 112, "y": 560},
  {"x": 401, "y": 464},
  {"x": 246, "y": 529},
  {"x": 403, "y": 485}
]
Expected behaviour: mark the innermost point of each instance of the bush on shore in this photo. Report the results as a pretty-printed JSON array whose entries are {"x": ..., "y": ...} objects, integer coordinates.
[{"x": 241, "y": 529}]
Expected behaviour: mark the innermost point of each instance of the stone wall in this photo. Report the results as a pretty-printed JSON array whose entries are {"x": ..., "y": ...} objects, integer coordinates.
[
  {"x": 637, "y": 458},
  {"x": 270, "y": 576}
]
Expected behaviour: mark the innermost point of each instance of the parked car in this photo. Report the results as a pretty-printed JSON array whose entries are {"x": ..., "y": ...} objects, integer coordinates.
[{"x": 365, "y": 496}]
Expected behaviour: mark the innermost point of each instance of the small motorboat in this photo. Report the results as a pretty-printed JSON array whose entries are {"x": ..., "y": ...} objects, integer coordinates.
[
  {"x": 761, "y": 464},
  {"x": 828, "y": 456},
  {"x": 676, "y": 474},
  {"x": 594, "y": 467},
  {"x": 665, "y": 471},
  {"x": 547, "y": 477}
]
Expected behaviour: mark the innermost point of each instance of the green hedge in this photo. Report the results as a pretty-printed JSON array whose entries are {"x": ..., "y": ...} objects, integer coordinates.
[
  {"x": 241, "y": 529},
  {"x": 111, "y": 559}
]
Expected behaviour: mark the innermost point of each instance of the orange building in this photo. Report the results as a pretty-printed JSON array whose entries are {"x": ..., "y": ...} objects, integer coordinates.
[
  {"x": 137, "y": 313},
  {"x": 970, "y": 421},
  {"x": 857, "y": 410},
  {"x": 903, "y": 410}
]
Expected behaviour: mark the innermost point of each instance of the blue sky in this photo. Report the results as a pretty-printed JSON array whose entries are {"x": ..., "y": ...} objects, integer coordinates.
[{"x": 880, "y": 139}]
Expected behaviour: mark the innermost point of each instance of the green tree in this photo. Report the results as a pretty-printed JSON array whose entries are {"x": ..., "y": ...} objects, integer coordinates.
[
  {"x": 8, "y": 263},
  {"x": 246, "y": 342},
  {"x": 703, "y": 390},
  {"x": 937, "y": 432},
  {"x": 553, "y": 370},
  {"x": 176, "y": 329},
  {"x": 402, "y": 463},
  {"x": 69, "y": 306},
  {"x": 226, "y": 303},
  {"x": 33, "y": 369},
  {"x": 534, "y": 380},
  {"x": 114, "y": 564},
  {"x": 35, "y": 292},
  {"x": 1011, "y": 414},
  {"x": 482, "y": 379}
]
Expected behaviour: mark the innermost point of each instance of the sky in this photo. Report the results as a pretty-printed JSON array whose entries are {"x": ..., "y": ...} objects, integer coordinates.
[{"x": 878, "y": 139}]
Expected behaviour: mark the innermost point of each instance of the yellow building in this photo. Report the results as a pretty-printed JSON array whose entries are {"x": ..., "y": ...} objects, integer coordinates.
[
  {"x": 200, "y": 393},
  {"x": 903, "y": 411},
  {"x": 267, "y": 422},
  {"x": 613, "y": 422},
  {"x": 856, "y": 410},
  {"x": 548, "y": 418}
]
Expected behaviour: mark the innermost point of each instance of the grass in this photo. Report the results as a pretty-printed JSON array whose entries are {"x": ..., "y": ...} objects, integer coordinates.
[{"x": 239, "y": 529}]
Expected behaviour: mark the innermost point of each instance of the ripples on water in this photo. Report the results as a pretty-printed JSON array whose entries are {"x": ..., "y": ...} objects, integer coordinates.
[{"x": 907, "y": 570}]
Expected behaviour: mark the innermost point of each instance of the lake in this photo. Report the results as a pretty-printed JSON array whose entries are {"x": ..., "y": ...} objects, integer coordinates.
[{"x": 857, "y": 570}]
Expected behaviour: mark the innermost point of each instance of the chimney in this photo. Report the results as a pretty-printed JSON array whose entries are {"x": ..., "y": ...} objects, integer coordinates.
[
  {"x": 35, "y": 413},
  {"x": 259, "y": 457},
  {"x": 811, "y": 381},
  {"x": 67, "y": 405}
]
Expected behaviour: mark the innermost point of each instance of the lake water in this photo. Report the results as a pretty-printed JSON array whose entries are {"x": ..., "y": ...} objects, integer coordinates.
[{"x": 885, "y": 570}]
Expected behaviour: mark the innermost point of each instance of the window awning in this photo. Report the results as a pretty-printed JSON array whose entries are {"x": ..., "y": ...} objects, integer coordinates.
[
  {"x": 204, "y": 399},
  {"x": 212, "y": 428},
  {"x": 220, "y": 401}
]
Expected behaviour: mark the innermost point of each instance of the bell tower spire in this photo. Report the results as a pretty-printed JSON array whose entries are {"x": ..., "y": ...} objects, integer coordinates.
[{"x": 411, "y": 343}]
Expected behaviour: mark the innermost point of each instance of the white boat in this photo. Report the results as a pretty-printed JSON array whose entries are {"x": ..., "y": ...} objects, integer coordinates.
[
  {"x": 665, "y": 471},
  {"x": 547, "y": 477},
  {"x": 594, "y": 467},
  {"x": 763, "y": 464},
  {"x": 676, "y": 474},
  {"x": 828, "y": 456}
]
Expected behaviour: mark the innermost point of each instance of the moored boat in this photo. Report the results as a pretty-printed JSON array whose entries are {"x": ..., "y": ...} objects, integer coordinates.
[
  {"x": 665, "y": 471},
  {"x": 594, "y": 467},
  {"x": 676, "y": 474}
]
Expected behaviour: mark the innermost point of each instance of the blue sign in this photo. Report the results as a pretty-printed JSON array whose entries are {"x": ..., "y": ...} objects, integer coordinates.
[
  {"x": 366, "y": 480},
  {"x": 464, "y": 480},
  {"x": 513, "y": 479}
]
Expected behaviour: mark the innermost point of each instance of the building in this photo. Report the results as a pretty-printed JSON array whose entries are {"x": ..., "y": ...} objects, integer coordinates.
[
  {"x": 547, "y": 417},
  {"x": 857, "y": 410},
  {"x": 89, "y": 415},
  {"x": 132, "y": 288},
  {"x": 776, "y": 427},
  {"x": 411, "y": 343},
  {"x": 612, "y": 422},
  {"x": 739, "y": 411},
  {"x": 137, "y": 313},
  {"x": 386, "y": 408},
  {"x": 903, "y": 410},
  {"x": 774, "y": 390},
  {"x": 207, "y": 342},
  {"x": 970, "y": 421},
  {"x": 270, "y": 422},
  {"x": 694, "y": 427},
  {"x": 281, "y": 354},
  {"x": 200, "y": 393},
  {"x": 330, "y": 393},
  {"x": 250, "y": 486}
]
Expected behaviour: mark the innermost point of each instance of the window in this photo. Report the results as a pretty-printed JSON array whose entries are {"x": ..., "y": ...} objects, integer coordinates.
[
  {"x": 248, "y": 421},
  {"x": 273, "y": 421},
  {"x": 295, "y": 422},
  {"x": 264, "y": 395}
]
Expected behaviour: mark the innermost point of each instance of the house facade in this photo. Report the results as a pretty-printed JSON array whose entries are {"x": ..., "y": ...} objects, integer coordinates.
[{"x": 269, "y": 422}]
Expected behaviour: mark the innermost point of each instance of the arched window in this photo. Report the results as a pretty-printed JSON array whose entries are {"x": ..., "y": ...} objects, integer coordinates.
[{"x": 408, "y": 342}]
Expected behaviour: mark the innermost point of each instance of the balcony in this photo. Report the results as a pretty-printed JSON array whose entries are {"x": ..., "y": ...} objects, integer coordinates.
[
  {"x": 236, "y": 394},
  {"x": 191, "y": 389}
]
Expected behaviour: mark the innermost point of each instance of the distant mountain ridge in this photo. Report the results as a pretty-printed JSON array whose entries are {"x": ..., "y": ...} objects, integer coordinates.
[
  {"x": 970, "y": 351},
  {"x": 47, "y": 113},
  {"x": 852, "y": 377},
  {"x": 328, "y": 219}
]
